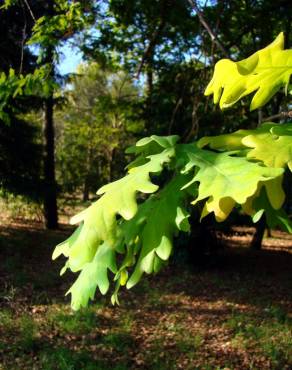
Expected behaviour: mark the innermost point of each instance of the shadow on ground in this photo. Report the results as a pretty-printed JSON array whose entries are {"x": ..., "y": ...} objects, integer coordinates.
[{"x": 234, "y": 313}]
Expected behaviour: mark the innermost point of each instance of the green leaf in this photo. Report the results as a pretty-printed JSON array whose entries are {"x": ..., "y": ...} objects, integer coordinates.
[
  {"x": 7, "y": 4},
  {"x": 264, "y": 72},
  {"x": 149, "y": 146},
  {"x": 275, "y": 218},
  {"x": 99, "y": 223},
  {"x": 64, "y": 247},
  {"x": 93, "y": 274},
  {"x": 153, "y": 227},
  {"x": 282, "y": 129},
  {"x": 275, "y": 150},
  {"x": 232, "y": 141},
  {"x": 271, "y": 143},
  {"x": 163, "y": 142},
  {"x": 226, "y": 180}
]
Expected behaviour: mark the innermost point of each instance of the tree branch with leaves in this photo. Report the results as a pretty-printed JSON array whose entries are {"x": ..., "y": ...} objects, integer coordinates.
[{"x": 130, "y": 229}]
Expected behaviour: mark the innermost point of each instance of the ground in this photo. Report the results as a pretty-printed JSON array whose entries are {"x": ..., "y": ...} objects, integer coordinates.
[{"x": 234, "y": 313}]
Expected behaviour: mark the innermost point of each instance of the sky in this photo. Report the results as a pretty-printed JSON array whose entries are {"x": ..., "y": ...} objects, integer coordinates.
[
  {"x": 72, "y": 57},
  {"x": 69, "y": 59}
]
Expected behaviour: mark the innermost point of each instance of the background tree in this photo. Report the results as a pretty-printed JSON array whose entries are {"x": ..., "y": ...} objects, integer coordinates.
[
  {"x": 168, "y": 45},
  {"x": 50, "y": 24},
  {"x": 20, "y": 149},
  {"x": 60, "y": 20},
  {"x": 94, "y": 127}
]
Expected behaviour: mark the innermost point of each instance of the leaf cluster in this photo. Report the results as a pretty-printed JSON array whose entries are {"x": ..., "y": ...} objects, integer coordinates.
[
  {"x": 140, "y": 227},
  {"x": 130, "y": 229}
]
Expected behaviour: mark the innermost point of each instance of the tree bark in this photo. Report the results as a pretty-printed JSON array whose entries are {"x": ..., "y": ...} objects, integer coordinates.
[
  {"x": 149, "y": 82},
  {"x": 256, "y": 243},
  {"x": 85, "y": 196},
  {"x": 50, "y": 186},
  {"x": 86, "y": 184},
  {"x": 50, "y": 195},
  {"x": 203, "y": 242}
]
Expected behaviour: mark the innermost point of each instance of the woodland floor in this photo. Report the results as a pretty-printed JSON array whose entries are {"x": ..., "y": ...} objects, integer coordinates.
[{"x": 235, "y": 313}]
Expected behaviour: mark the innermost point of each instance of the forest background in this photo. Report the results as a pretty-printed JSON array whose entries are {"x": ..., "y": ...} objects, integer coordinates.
[
  {"x": 144, "y": 67},
  {"x": 144, "y": 70}
]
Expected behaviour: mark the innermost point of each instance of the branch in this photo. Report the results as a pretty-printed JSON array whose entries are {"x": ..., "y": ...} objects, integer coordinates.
[
  {"x": 287, "y": 114},
  {"x": 164, "y": 5},
  {"x": 23, "y": 39},
  {"x": 195, "y": 121},
  {"x": 30, "y": 11},
  {"x": 214, "y": 38},
  {"x": 178, "y": 104},
  {"x": 150, "y": 46}
]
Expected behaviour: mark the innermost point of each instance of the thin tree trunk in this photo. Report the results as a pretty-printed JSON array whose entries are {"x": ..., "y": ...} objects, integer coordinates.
[
  {"x": 149, "y": 108},
  {"x": 85, "y": 196},
  {"x": 109, "y": 156},
  {"x": 203, "y": 242},
  {"x": 86, "y": 183},
  {"x": 112, "y": 164},
  {"x": 50, "y": 196},
  {"x": 256, "y": 243},
  {"x": 50, "y": 189}
]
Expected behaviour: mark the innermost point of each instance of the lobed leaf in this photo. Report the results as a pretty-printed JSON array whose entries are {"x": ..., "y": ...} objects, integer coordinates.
[
  {"x": 143, "y": 232},
  {"x": 274, "y": 218},
  {"x": 232, "y": 141},
  {"x": 154, "y": 226},
  {"x": 226, "y": 180},
  {"x": 93, "y": 274},
  {"x": 99, "y": 224},
  {"x": 270, "y": 143},
  {"x": 275, "y": 150},
  {"x": 263, "y": 73}
]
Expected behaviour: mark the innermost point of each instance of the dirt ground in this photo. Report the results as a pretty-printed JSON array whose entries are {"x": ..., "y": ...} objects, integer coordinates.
[{"x": 233, "y": 313}]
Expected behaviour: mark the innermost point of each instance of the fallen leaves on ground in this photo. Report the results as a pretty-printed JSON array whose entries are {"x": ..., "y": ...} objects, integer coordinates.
[{"x": 235, "y": 313}]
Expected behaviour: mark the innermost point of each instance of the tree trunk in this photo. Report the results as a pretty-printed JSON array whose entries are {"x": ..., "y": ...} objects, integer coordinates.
[
  {"x": 50, "y": 191},
  {"x": 86, "y": 184},
  {"x": 256, "y": 243},
  {"x": 149, "y": 100},
  {"x": 109, "y": 165},
  {"x": 85, "y": 196},
  {"x": 112, "y": 164},
  {"x": 203, "y": 242}
]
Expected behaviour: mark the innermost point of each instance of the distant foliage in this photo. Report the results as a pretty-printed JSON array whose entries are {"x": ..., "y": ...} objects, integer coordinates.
[{"x": 98, "y": 121}]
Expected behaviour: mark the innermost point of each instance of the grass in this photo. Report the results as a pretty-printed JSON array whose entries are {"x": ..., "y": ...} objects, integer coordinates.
[
  {"x": 22, "y": 330},
  {"x": 64, "y": 359},
  {"x": 235, "y": 316},
  {"x": 270, "y": 333},
  {"x": 191, "y": 344},
  {"x": 70, "y": 322}
]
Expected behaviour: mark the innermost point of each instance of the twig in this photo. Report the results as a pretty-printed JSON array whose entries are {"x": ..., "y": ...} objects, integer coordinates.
[
  {"x": 165, "y": 4},
  {"x": 178, "y": 104},
  {"x": 214, "y": 38},
  {"x": 23, "y": 39},
  {"x": 286, "y": 114},
  {"x": 30, "y": 11},
  {"x": 195, "y": 121},
  {"x": 150, "y": 46}
]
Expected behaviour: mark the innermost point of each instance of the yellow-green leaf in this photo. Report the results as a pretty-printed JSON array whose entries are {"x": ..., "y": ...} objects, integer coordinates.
[
  {"x": 274, "y": 150},
  {"x": 99, "y": 222},
  {"x": 226, "y": 180},
  {"x": 264, "y": 73}
]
